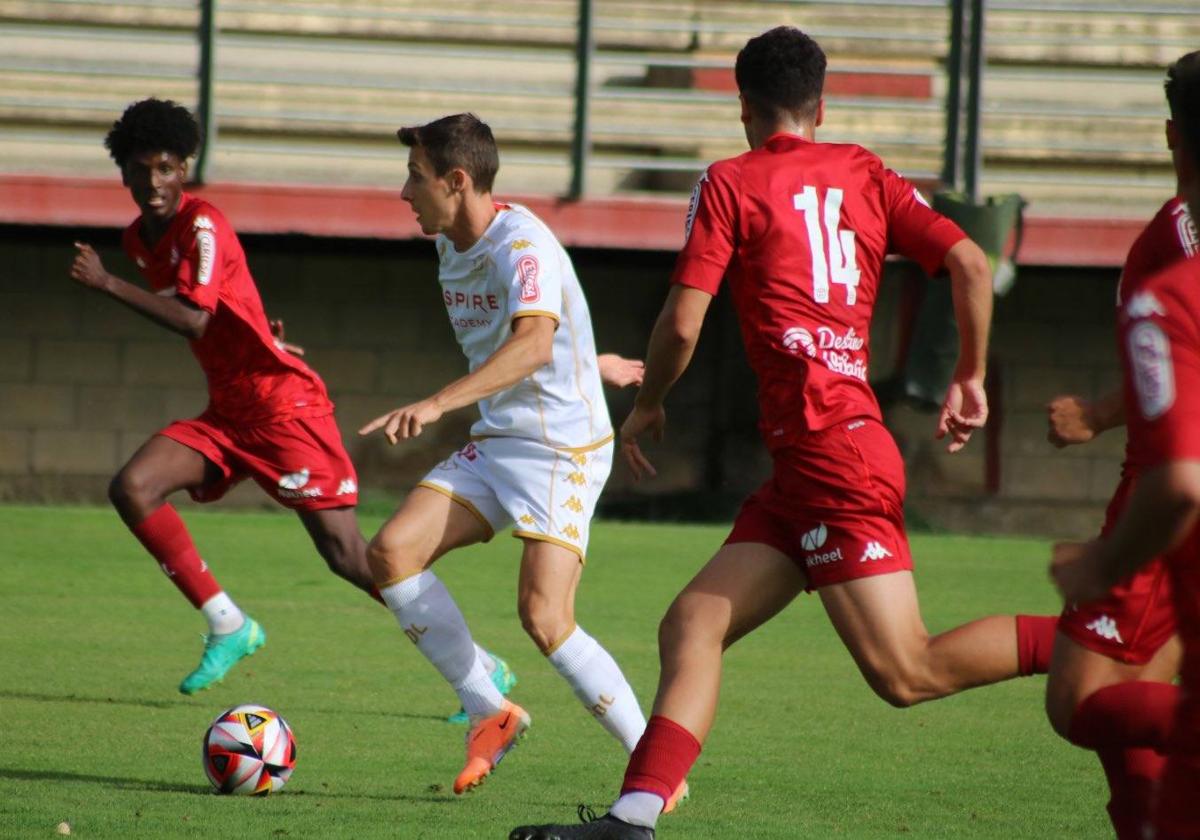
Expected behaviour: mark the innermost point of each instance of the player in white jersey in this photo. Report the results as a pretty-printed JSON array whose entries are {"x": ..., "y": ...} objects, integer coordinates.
[{"x": 539, "y": 456}]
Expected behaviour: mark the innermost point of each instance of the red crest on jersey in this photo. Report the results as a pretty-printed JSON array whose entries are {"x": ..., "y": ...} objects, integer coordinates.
[{"x": 527, "y": 272}]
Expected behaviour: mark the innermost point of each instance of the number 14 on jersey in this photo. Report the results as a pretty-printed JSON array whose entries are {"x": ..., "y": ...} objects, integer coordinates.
[{"x": 840, "y": 267}]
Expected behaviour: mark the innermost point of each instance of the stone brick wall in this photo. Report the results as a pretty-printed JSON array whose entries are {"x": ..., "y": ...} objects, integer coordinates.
[{"x": 83, "y": 381}]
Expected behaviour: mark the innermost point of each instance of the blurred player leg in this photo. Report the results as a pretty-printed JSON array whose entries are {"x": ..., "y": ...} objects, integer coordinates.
[
  {"x": 546, "y": 602},
  {"x": 139, "y": 491},
  {"x": 339, "y": 541},
  {"x": 1124, "y": 712},
  {"x": 879, "y": 620}
]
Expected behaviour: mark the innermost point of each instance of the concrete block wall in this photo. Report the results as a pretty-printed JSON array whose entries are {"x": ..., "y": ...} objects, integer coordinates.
[{"x": 84, "y": 382}]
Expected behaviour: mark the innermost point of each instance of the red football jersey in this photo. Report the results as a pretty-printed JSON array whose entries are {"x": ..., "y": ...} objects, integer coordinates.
[
  {"x": 1159, "y": 327},
  {"x": 1169, "y": 238},
  {"x": 801, "y": 229},
  {"x": 250, "y": 380}
]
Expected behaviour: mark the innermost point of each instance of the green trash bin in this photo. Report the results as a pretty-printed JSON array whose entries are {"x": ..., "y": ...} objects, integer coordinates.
[{"x": 934, "y": 349}]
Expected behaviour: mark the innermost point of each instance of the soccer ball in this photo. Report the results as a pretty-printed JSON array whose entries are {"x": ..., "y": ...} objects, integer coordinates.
[{"x": 249, "y": 750}]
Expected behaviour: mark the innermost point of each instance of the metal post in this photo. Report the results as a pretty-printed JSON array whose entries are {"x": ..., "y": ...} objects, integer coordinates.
[
  {"x": 974, "y": 156},
  {"x": 581, "y": 143},
  {"x": 954, "y": 69},
  {"x": 207, "y": 35}
]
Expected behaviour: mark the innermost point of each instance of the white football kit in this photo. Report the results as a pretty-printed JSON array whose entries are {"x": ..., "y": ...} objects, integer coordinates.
[{"x": 542, "y": 449}]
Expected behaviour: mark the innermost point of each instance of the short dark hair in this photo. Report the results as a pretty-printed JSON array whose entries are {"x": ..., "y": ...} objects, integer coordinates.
[
  {"x": 781, "y": 70},
  {"x": 153, "y": 125},
  {"x": 1183, "y": 96},
  {"x": 459, "y": 141}
]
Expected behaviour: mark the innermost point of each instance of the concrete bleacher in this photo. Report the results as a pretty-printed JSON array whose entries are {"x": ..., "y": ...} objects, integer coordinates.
[{"x": 310, "y": 91}]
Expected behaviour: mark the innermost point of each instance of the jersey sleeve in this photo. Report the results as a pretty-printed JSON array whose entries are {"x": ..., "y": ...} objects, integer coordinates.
[
  {"x": 530, "y": 264},
  {"x": 1160, "y": 347},
  {"x": 711, "y": 231},
  {"x": 198, "y": 276},
  {"x": 915, "y": 230}
]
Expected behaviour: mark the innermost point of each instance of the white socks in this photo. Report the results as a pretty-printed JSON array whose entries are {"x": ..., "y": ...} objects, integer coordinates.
[
  {"x": 601, "y": 687},
  {"x": 434, "y": 623},
  {"x": 638, "y": 808},
  {"x": 222, "y": 615}
]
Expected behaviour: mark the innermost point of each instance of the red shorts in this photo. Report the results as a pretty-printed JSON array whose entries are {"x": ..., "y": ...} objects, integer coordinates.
[
  {"x": 835, "y": 505},
  {"x": 301, "y": 463},
  {"x": 1136, "y": 617}
]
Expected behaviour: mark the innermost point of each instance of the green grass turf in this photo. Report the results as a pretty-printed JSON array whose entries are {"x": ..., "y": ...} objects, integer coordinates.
[{"x": 93, "y": 641}]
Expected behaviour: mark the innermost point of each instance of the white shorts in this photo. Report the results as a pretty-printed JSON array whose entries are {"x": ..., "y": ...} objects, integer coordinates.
[{"x": 545, "y": 493}]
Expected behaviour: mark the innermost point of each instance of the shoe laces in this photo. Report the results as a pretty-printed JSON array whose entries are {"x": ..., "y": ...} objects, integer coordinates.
[{"x": 586, "y": 814}]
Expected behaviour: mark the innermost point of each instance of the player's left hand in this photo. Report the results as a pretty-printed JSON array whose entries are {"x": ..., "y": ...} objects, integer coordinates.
[
  {"x": 1077, "y": 571},
  {"x": 964, "y": 410},
  {"x": 276, "y": 326},
  {"x": 639, "y": 422},
  {"x": 406, "y": 422},
  {"x": 87, "y": 269},
  {"x": 620, "y": 372}
]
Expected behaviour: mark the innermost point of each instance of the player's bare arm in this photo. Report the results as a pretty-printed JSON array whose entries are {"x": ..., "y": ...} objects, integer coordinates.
[
  {"x": 620, "y": 372},
  {"x": 172, "y": 312},
  {"x": 671, "y": 346},
  {"x": 965, "y": 408},
  {"x": 1074, "y": 420},
  {"x": 529, "y": 348},
  {"x": 1162, "y": 510}
]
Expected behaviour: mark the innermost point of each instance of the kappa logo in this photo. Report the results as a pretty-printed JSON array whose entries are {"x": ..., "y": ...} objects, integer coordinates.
[
  {"x": 874, "y": 551},
  {"x": 527, "y": 274},
  {"x": 1143, "y": 305},
  {"x": 1153, "y": 373},
  {"x": 348, "y": 486},
  {"x": 141, "y": 263},
  {"x": 1106, "y": 628}
]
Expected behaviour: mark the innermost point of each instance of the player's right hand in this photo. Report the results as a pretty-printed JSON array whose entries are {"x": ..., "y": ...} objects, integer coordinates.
[
  {"x": 964, "y": 410},
  {"x": 1070, "y": 421},
  {"x": 87, "y": 268},
  {"x": 1077, "y": 571},
  {"x": 406, "y": 422},
  {"x": 641, "y": 421}
]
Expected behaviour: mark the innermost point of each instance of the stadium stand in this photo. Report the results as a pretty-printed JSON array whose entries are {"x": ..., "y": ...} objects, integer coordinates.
[{"x": 307, "y": 91}]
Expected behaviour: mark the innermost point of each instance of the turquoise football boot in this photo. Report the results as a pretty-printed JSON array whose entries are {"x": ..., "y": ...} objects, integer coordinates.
[
  {"x": 503, "y": 678},
  {"x": 223, "y": 652}
]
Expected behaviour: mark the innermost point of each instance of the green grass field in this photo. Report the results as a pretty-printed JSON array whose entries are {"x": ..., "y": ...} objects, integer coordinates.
[{"x": 93, "y": 641}]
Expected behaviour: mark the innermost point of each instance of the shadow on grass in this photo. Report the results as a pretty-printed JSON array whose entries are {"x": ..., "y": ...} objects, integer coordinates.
[
  {"x": 42, "y": 697},
  {"x": 155, "y": 786}
]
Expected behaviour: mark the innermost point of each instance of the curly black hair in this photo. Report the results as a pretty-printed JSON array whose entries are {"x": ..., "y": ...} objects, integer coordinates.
[
  {"x": 153, "y": 125},
  {"x": 781, "y": 71}
]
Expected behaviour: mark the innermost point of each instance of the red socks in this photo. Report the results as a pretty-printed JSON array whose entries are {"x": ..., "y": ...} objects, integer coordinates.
[
  {"x": 166, "y": 538},
  {"x": 1128, "y": 725},
  {"x": 662, "y": 759},
  {"x": 1035, "y": 643}
]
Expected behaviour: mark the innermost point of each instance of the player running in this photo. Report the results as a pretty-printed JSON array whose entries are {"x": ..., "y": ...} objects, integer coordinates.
[
  {"x": 538, "y": 457},
  {"x": 1110, "y": 686},
  {"x": 269, "y": 416},
  {"x": 800, "y": 230},
  {"x": 1159, "y": 339}
]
